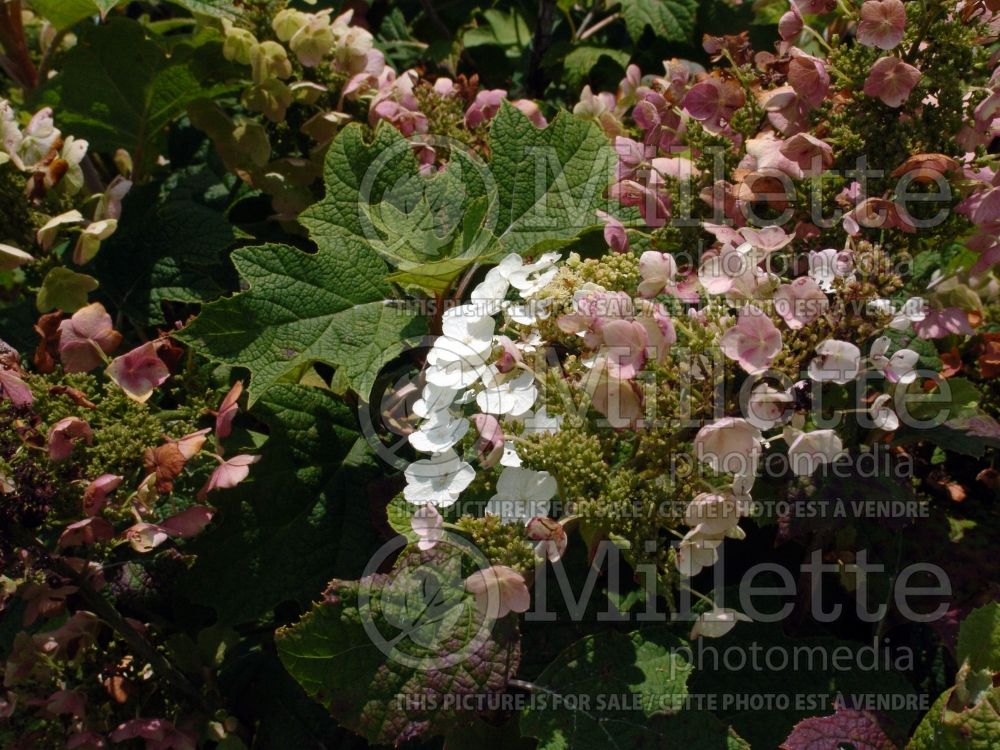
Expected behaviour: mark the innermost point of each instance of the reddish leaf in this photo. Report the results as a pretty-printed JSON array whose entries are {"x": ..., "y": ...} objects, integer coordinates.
[{"x": 846, "y": 727}]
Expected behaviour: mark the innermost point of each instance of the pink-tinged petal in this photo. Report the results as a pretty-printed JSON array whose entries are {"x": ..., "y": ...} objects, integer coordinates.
[
  {"x": 227, "y": 411},
  {"x": 96, "y": 494},
  {"x": 987, "y": 207},
  {"x": 810, "y": 153},
  {"x": 190, "y": 445},
  {"x": 64, "y": 434},
  {"x": 147, "y": 729},
  {"x": 614, "y": 232},
  {"x": 86, "y": 741},
  {"x": 139, "y": 372},
  {"x": 989, "y": 252},
  {"x": 891, "y": 80},
  {"x": 790, "y": 25},
  {"x": 8, "y": 704},
  {"x": 767, "y": 239},
  {"x": 753, "y": 342},
  {"x": 190, "y": 522},
  {"x": 64, "y": 702},
  {"x": 940, "y": 323},
  {"x": 653, "y": 204},
  {"x": 800, "y": 302},
  {"x": 809, "y": 77},
  {"x": 713, "y": 101},
  {"x": 532, "y": 111},
  {"x": 658, "y": 271},
  {"x": 428, "y": 525},
  {"x": 619, "y": 401},
  {"x": 499, "y": 590},
  {"x": 882, "y": 23},
  {"x": 228, "y": 474},
  {"x": 15, "y": 389},
  {"x": 145, "y": 537},
  {"x": 489, "y": 446},
  {"x": 550, "y": 537},
  {"x": 84, "y": 337},
  {"x": 86, "y": 532},
  {"x": 626, "y": 342},
  {"x": 484, "y": 107},
  {"x": 510, "y": 355}
]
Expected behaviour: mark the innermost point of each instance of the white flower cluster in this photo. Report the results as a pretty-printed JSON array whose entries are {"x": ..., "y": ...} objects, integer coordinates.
[{"x": 470, "y": 364}]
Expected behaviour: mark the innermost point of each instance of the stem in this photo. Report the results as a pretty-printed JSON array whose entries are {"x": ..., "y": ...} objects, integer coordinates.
[
  {"x": 143, "y": 648},
  {"x": 600, "y": 25},
  {"x": 460, "y": 290},
  {"x": 930, "y": 16},
  {"x": 708, "y": 600},
  {"x": 43, "y": 66},
  {"x": 540, "y": 44},
  {"x": 585, "y": 22},
  {"x": 17, "y": 62},
  {"x": 524, "y": 685},
  {"x": 435, "y": 324},
  {"x": 818, "y": 37},
  {"x": 113, "y": 618}
]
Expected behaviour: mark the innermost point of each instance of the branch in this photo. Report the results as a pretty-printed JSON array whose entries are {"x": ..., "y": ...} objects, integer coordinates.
[{"x": 20, "y": 67}]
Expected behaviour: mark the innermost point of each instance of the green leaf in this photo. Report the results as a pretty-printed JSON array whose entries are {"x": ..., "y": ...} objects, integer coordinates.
[
  {"x": 432, "y": 262},
  {"x": 302, "y": 308},
  {"x": 357, "y": 174},
  {"x": 550, "y": 182},
  {"x": 979, "y": 638},
  {"x": 673, "y": 20},
  {"x": 601, "y": 690},
  {"x": 299, "y": 520},
  {"x": 387, "y": 697},
  {"x": 507, "y": 30},
  {"x": 953, "y": 399},
  {"x": 949, "y": 438},
  {"x": 169, "y": 246},
  {"x": 118, "y": 89},
  {"x": 64, "y": 14},
  {"x": 973, "y": 728},
  {"x": 66, "y": 290},
  {"x": 213, "y": 8},
  {"x": 585, "y": 57}
]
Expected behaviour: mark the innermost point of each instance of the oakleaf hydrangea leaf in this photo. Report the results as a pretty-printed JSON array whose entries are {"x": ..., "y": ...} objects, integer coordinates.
[
  {"x": 673, "y": 20},
  {"x": 66, "y": 13},
  {"x": 550, "y": 182},
  {"x": 540, "y": 184},
  {"x": 213, "y": 8},
  {"x": 367, "y": 685},
  {"x": 857, "y": 729},
  {"x": 301, "y": 308},
  {"x": 979, "y": 638},
  {"x": 168, "y": 247},
  {"x": 973, "y": 728},
  {"x": 602, "y": 689},
  {"x": 541, "y": 189},
  {"x": 118, "y": 89}
]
